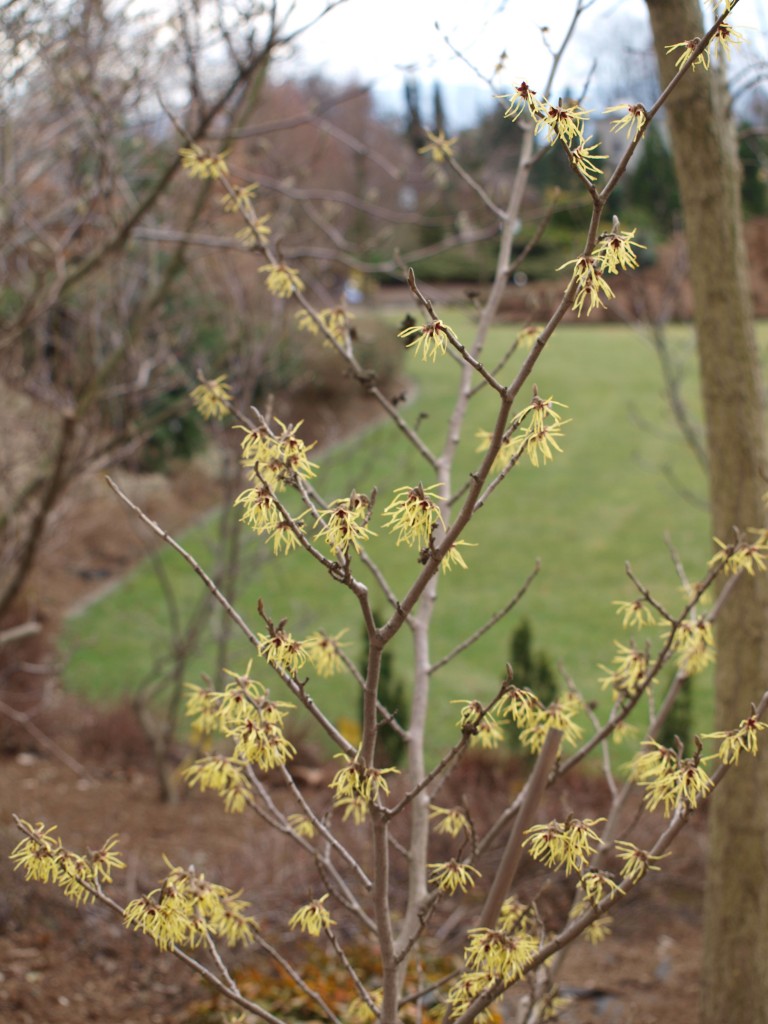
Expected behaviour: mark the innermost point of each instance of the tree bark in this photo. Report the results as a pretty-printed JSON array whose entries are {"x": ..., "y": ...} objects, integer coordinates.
[{"x": 735, "y": 974}]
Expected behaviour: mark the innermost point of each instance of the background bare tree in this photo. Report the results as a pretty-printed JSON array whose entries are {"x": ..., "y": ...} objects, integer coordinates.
[{"x": 94, "y": 330}]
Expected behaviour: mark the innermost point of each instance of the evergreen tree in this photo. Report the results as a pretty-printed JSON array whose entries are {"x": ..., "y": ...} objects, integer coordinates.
[
  {"x": 678, "y": 722},
  {"x": 754, "y": 157},
  {"x": 414, "y": 127},
  {"x": 531, "y": 671},
  {"x": 438, "y": 109}
]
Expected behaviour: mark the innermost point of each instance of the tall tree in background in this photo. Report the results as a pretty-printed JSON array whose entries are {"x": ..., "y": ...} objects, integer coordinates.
[
  {"x": 438, "y": 109},
  {"x": 735, "y": 982},
  {"x": 90, "y": 331}
]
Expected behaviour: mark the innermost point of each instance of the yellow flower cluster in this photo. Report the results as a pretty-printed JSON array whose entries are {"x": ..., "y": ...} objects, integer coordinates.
[
  {"x": 199, "y": 164},
  {"x": 239, "y": 199},
  {"x": 325, "y": 652},
  {"x": 528, "y": 336},
  {"x": 596, "y": 884},
  {"x": 430, "y": 339},
  {"x": 560, "y": 714},
  {"x": 345, "y": 524},
  {"x": 276, "y": 460},
  {"x": 512, "y": 914},
  {"x": 742, "y": 555},
  {"x": 333, "y": 321},
  {"x": 668, "y": 779},
  {"x": 212, "y": 398},
  {"x": 484, "y": 728},
  {"x": 279, "y": 456},
  {"x": 260, "y": 509},
  {"x": 262, "y": 742},
  {"x": 734, "y": 741},
  {"x": 494, "y": 956},
  {"x": 353, "y": 806},
  {"x": 453, "y": 556},
  {"x": 256, "y": 232},
  {"x": 356, "y": 785},
  {"x": 520, "y": 705},
  {"x": 463, "y": 993},
  {"x": 583, "y": 158},
  {"x": 597, "y": 930},
  {"x": 313, "y": 918},
  {"x": 629, "y": 673},
  {"x": 359, "y": 1012},
  {"x": 633, "y": 119},
  {"x": 501, "y": 953},
  {"x": 637, "y": 613},
  {"x": 246, "y": 715},
  {"x": 724, "y": 39},
  {"x": 636, "y": 861},
  {"x": 721, "y": 44},
  {"x": 285, "y": 534},
  {"x": 523, "y": 98},
  {"x": 694, "y": 645},
  {"x": 413, "y": 513},
  {"x": 566, "y": 122},
  {"x": 592, "y": 286},
  {"x": 545, "y": 424},
  {"x": 488, "y": 733},
  {"x": 687, "y": 47},
  {"x": 614, "y": 251},
  {"x": 187, "y": 908},
  {"x": 45, "y": 859},
  {"x": 226, "y": 776},
  {"x": 562, "y": 122},
  {"x": 563, "y": 844},
  {"x": 451, "y": 821},
  {"x": 451, "y": 875},
  {"x": 535, "y": 720},
  {"x": 593, "y": 886},
  {"x": 282, "y": 281},
  {"x": 538, "y": 438},
  {"x": 301, "y": 825},
  {"x": 438, "y": 147},
  {"x": 283, "y": 651}
]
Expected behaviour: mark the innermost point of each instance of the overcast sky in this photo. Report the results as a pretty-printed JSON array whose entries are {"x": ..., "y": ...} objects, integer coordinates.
[{"x": 375, "y": 41}]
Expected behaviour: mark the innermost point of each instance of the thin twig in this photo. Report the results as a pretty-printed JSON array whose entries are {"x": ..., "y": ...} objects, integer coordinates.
[
  {"x": 459, "y": 648},
  {"x": 25, "y": 720}
]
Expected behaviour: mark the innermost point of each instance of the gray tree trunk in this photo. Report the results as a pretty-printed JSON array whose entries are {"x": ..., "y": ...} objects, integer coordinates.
[{"x": 735, "y": 977}]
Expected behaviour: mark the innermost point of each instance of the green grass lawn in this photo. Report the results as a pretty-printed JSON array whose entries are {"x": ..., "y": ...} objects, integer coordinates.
[{"x": 609, "y": 498}]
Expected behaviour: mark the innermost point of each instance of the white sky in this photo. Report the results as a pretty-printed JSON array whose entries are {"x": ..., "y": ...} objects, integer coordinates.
[{"x": 376, "y": 40}]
